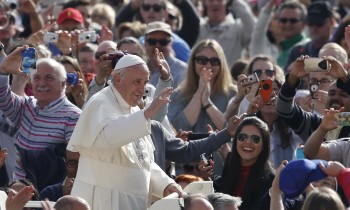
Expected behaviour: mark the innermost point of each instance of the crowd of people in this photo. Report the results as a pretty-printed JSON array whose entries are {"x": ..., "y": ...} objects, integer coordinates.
[{"x": 116, "y": 104}]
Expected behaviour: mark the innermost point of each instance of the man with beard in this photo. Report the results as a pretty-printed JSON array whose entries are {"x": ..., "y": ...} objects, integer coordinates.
[{"x": 305, "y": 123}]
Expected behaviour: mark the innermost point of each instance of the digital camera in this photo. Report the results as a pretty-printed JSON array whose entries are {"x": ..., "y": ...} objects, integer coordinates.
[
  {"x": 253, "y": 78},
  {"x": 87, "y": 36},
  {"x": 115, "y": 57},
  {"x": 316, "y": 64},
  {"x": 72, "y": 79},
  {"x": 50, "y": 37},
  {"x": 313, "y": 89}
]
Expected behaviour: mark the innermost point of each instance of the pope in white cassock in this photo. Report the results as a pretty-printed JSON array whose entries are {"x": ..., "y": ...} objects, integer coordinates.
[{"x": 116, "y": 169}]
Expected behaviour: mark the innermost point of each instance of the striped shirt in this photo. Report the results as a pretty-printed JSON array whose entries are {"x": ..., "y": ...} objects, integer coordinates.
[{"x": 38, "y": 127}]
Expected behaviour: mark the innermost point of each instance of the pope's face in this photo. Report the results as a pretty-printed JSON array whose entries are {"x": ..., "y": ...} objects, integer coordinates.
[{"x": 131, "y": 83}]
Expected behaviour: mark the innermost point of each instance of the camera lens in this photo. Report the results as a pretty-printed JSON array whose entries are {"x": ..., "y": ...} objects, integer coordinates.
[
  {"x": 266, "y": 86},
  {"x": 87, "y": 37},
  {"x": 314, "y": 88}
]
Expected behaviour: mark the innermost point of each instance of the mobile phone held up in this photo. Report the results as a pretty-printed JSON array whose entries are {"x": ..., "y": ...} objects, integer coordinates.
[
  {"x": 265, "y": 90},
  {"x": 316, "y": 64},
  {"x": 342, "y": 118},
  {"x": 206, "y": 158},
  {"x": 28, "y": 60}
]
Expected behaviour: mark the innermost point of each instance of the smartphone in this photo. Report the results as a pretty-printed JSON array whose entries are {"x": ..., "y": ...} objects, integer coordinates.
[
  {"x": 342, "y": 118},
  {"x": 196, "y": 136},
  {"x": 300, "y": 152},
  {"x": 253, "y": 78},
  {"x": 72, "y": 79},
  {"x": 50, "y": 37},
  {"x": 206, "y": 158},
  {"x": 88, "y": 36},
  {"x": 265, "y": 90},
  {"x": 316, "y": 64},
  {"x": 28, "y": 60}
]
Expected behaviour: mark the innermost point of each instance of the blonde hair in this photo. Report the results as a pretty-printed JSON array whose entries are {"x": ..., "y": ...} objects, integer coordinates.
[
  {"x": 323, "y": 198},
  {"x": 223, "y": 81},
  {"x": 105, "y": 10}
]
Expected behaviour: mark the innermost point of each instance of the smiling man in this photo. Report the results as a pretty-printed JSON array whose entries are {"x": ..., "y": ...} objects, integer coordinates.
[
  {"x": 113, "y": 138},
  {"x": 43, "y": 121},
  {"x": 305, "y": 123}
]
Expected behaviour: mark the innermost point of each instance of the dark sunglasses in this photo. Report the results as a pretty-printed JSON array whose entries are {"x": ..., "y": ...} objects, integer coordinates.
[
  {"x": 162, "y": 42},
  {"x": 202, "y": 60},
  {"x": 72, "y": 163},
  {"x": 291, "y": 20},
  {"x": 155, "y": 7},
  {"x": 268, "y": 72},
  {"x": 254, "y": 138}
]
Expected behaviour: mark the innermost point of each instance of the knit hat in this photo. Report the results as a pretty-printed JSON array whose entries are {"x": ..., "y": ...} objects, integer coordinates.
[
  {"x": 127, "y": 61},
  {"x": 298, "y": 174}
]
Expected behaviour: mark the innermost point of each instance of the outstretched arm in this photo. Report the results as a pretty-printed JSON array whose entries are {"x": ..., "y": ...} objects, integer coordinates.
[{"x": 313, "y": 148}]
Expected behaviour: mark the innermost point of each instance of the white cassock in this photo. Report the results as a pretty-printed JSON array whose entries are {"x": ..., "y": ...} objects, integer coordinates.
[{"x": 116, "y": 169}]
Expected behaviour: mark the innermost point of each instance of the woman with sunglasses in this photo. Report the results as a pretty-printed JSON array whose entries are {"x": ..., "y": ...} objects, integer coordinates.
[
  {"x": 203, "y": 97},
  {"x": 261, "y": 67},
  {"x": 247, "y": 172}
]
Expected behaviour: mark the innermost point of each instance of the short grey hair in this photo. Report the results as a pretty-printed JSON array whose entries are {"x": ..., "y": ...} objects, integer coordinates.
[
  {"x": 221, "y": 200},
  {"x": 62, "y": 73}
]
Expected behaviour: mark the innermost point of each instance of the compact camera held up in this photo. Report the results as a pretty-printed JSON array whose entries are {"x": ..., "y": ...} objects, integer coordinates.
[
  {"x": 72, "y": 79},
  {"x": 87, "y": 36},
  {"x": 50, "y": 37},
  {"x": 316, "y": 64}
]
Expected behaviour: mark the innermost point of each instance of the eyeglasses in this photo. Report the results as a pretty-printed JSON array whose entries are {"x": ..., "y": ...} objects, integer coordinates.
[
  {"x": 323, "y": 82},
  {"x": 155, "y": 7},
  {"x": 267, "y": 72},
  {"x": 291, "y": 20},
  {"x": 202, "y": 60},
  {"x": 162, "y": 42},
  {"x": 72, "y": 163},
  {"x": 254, "y": 138}
]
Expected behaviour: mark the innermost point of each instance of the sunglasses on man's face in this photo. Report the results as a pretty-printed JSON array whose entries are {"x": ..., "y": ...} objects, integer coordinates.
[
  {"x": 162, "y": 42},
  {"x": 268, "y": 72},
  {"x": 291, "y": 20},
  {"x": 202, "y": 60},
  {"x": 155, "y": 7},
  {"x": 254, "y": 138}
]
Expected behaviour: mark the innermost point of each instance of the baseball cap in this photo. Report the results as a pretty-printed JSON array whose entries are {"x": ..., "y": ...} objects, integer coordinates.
[
  {"x": 298, "y": 174},
  {"x": 318, "y": 12},
  {"x": 70, "y": 14},
  {"x": 158, "y": 26},
  {"x": 127, "y": 61}
]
